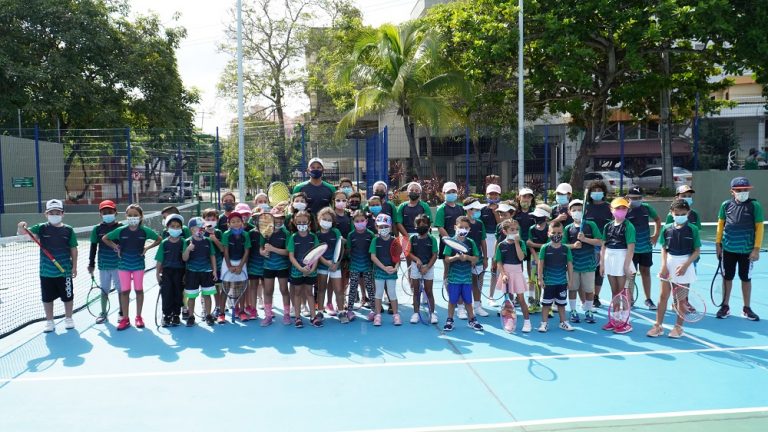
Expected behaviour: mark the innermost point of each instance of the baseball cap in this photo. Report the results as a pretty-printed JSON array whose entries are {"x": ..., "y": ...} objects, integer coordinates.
[
  {"x": 108, "y": 204},
  {"x": 180, "y": 219},
  {"x": 54, "y": 204},
  {"x": 243, "y": 208},
  {"x": 493, "y": 188},
  {"x": 619, "y": 202},
  {"x": 313, "y": 160},
  {"x": 384, "y": 219},
  {"x": 525, "y": 191},
  {"x": 476, "y": 205},
  {"x": 235, "y": 214},
  {"x": 736, "y": 183},
  {"x": 449, "y": 186},
  {"x": 575, "y": 202},
  {"x": 636, "y": 190},
  {"x": 685, "y": 188},
  {"x": 564, "y": 188}
]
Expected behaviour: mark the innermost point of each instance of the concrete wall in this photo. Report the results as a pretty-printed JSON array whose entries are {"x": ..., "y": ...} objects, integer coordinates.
[{"x": 18, "y": 160}]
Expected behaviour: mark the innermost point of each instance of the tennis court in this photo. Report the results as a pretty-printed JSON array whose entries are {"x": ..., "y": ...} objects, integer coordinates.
[{"x": 358, "y": 377}]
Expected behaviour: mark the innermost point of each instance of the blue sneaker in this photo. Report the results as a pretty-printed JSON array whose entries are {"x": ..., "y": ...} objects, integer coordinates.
[
  {"x": 589, "y": 317},
  {"x": 575, "y": 317}
]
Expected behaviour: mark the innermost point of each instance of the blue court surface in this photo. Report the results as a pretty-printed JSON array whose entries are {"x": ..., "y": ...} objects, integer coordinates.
[{"x": 359, "y": 377}]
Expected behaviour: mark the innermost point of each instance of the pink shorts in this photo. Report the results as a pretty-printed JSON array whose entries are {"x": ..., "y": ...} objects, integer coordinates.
[
  {"x": 515, "y": 279},
  {"x": 125, "y": 280}
]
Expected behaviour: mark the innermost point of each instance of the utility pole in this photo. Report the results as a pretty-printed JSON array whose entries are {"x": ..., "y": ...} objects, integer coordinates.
[
  {"x": 240, "y": 107},
  {"x": 520, "y": 113},
  {"x": 666, "y": 133}
]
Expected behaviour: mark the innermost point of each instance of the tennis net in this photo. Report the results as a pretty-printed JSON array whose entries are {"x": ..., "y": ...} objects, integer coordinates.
[{"x": 20, "y": 303}]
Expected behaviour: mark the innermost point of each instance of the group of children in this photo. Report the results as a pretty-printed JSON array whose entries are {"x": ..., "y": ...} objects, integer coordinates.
[{"x": 567, "y": 250}]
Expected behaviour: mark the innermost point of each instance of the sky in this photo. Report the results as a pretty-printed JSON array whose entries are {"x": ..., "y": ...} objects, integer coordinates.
[{"x": 200, "y": 64}]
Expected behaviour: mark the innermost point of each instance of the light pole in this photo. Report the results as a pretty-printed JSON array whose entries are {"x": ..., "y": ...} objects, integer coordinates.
[
  {"x": 520, "y": 116},
  {"x": 240, "y": 107},
  {"x": 666, "y": 135}
]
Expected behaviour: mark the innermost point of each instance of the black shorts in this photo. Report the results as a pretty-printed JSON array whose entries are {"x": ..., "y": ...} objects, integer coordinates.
[
  {"x": 280, "y": 274},
  {"x": 255, "y": 277},
  {"x": 308, "y": 280},
  {"x": 643, "y": 259},
  {"x": 555, "y": 293},
  {"x": 730, "y": 260},
  {"x": 53, "y": 288},
  {"x": 194, "y": 280}
]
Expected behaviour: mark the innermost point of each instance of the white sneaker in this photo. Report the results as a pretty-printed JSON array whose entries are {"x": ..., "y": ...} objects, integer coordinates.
[
  {"x": 479, "y": 311},
  {"x": 526, "y": 327},
  {"x": 69, "y": 323},
  {"x": 49, "y": 327},
  {"x": 462, "y": 312},
  {"x": 492, "y": 303},
  {"x": 434, "y": 318},
  {"x": 565, "y": 326},
  {"x": 415, "y": 318},
  {"x": 357, "y": 306},
  {"x": 543, "y": 327}
]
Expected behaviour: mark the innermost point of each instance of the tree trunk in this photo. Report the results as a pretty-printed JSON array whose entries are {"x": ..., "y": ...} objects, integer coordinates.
[
  {"x": 429, "y": 152},
  {"x": 479, "y": 169},
  {"x": 410, "y": 134},
  {"x": 281, "y": 150}
]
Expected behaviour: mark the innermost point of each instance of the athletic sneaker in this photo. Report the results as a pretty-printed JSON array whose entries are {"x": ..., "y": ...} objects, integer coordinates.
[
  {"x": 371, "y": 315},
  {"x": 543, "y": 327},
  {"x": 184, "y": 313},
  {"x": 626, "y": 328},
  {"x": 350, "y": 315},
  {"x": 526, "y": 326},
  {"x": 377, "y": 320},
  {"x": 101, "y": 318},
  {"x": 217, "y": 311},
  {"x": 655, "y": 331},
  {"x": 414, "y": 318},
  {"x": 139, "y": 321},
  {"x": 650, "y": 305},
  {"x": 676, "y": 332},
  {"x": 575, "y": 317},
  {"x": 124, "y": 323},
  {"x": 589, "y": 317},
  {"x": 209, "y": 320},
  {"x": 330, "y": 309},
  {"x": 596, "y": 303},
  {"x": 190, "y": 321},
  {"x": 479, "y": 311},
  {"x": 343, "y": 318},
  {"x": 724, "y": 311},
  {"x": 252, "y": 312},
  {"x": 747, "y": 312},
  {"x": 608, "y": 326},
  {"x": 316, "y": 322},
  {"x": 221, "y": 318},
  {"x": 492, "y": 302},
  {"x": 319, "y": 315},
  {"x": 267, "y": 321},
  {"x": 448, "y": 325},
  {"x": 166, "y": 321},
  {"x": 286, "y": 319},
  {"x": 461, "y": 312},
  {"x": 396, "y": 319},
  {"x": 433, "y": 319},
  {"x": 175, "y": 321},
  {"x": 243, "y": 316},
  {"x": 299, "y": 323},
  {"x": 474, "y": 325},
  {"x": 49, "y": 326},
  {"x": 69, "y": 323},
  {"x": 565, "y": 326}
]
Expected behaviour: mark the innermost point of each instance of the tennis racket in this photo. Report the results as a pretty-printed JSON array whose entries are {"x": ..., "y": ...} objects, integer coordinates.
[
  {"x": 633, "y": 291},
  {"x": 688, "y": 304},
  {"x": 716, "y": 293},
  {"x": 620, "y": 307},
  {"x": 425, "y": 306},
  {"x": 45, "y": 251},
  {"x": 266, "y": 224},
  {"x": 535, "y": 305},
  {"x": 405, "y": 244},
  {"x": 96, "y": 301},
  {"x": 314, "y": 254},
  {"x": 336, "y": 257},
  {"x": 159, "y": 310},
  {"x": 278, "y": 192},
  {"x": 507, "y": 314},
  {"x": 584, "y": 211},
  {"x": 405, "y": 282},
  {"x": 235, "y": 295},
  {"x": 396, "y": 252},
  {"x": 455, "y": 244}
]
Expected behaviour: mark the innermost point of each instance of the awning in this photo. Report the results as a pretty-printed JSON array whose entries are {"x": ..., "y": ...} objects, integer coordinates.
[{"x": 638, "y": 148}]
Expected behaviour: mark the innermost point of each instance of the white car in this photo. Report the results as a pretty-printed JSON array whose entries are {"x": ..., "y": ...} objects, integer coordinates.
[
  {"x": 611, "y": 179},
  {"x": 650, "y": 179}
]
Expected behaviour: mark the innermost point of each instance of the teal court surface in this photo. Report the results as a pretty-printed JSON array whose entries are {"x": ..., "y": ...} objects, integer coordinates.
[{"x": 409, "y": 378}]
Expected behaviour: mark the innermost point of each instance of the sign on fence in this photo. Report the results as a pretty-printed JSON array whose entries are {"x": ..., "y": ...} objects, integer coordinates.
[{"x": 23, "y": 182}]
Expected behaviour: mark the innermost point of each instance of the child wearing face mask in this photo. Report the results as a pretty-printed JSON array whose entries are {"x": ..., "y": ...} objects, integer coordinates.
[
  {"x": 210, "y": 216},
  {"x": 373, "y": 209},
  {"x": 738, "y": 240},
  {"x": 477, "y": 233},
  {"x": 582, "y": 237},
  {"x": 562, "y": 197},
  {"x": 537, "y": 237},
  {"x": 423, "y": 256},
  {"x": 345, "y": 186},
  {"x": 170, "y": 270},
  {"x": 491, "y": 218},
  {"x": 60, "y": 240},
  {"x": 380, "y": 190},
  {"x": 509, "y": 256},
  {"x": 408, "y": 211},
  {"x": 598, "y": 210},
  {"x": 685, "y": 193},
  {"x": 303, "y": 277},
  {"x": 200, "y": 256},
  {"x": 329, "y": 272},
  {"x": 358, "y": 246},
  {"x": 555, "y": 269},
  {"x": 616, "y": 254},
  {"x": 342, "y": 222},
  {"x": 277, "y": 266},
  {"x": 384, "y": 270},
  {"x": 234, "y": 274},
  {"x": 228, "y": 202},
  {"x": 132, "y": 247},
  {"x": 108, "y": 278},
  {"x": 525, "y": 203},
  {"x": 459, "y": 266},
  {"x": 298, "y": 203}
]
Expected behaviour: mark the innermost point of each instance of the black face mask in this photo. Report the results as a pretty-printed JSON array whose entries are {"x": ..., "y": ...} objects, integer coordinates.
[
  {"x": 413, "y": 196},
  {"x": 229, "y": 206},
  {"x": 540, "y": 220},
  {"x": 380, "y": 194},
  {"x": 354, "y": 205},
  {"x": 422, "y": 230}
]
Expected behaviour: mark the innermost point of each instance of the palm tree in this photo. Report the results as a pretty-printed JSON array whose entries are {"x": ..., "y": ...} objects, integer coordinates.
[{"x": 401, "y": 67}]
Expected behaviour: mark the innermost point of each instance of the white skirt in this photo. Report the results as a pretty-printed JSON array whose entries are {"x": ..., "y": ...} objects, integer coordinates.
[
  {"x": 614, "y": 261},
  {"x": 673, "y": 262},
  {"x": 228, "y": 276}
]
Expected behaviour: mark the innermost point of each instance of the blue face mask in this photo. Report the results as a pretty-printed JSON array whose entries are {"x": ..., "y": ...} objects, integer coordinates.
[
  {"x": 347, "y": 191},
  {"x": 316, "y": 174},
  {"x": 174, "y": 232},
  {"x": 492, "y": 201},
  {"x": 375, "y": 209},
  {"x": 689, "y": 200},
  {"x": 562, "y": 199},
  {"x": 108, "y": 218},
  {"x": 597, "y": 196},
  {"x": 237, "y": 231},
  {"x": 451, "y": 197},
  {"x": 476, "y": 215}
]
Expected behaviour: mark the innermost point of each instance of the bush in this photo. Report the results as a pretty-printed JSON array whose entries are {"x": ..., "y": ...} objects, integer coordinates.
[{"x": 665, "y": 192}]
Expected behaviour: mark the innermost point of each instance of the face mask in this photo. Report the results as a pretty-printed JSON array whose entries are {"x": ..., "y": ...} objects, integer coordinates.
[
  {"x": 54, "y": 219},
  {"x": 237, "y": 231},
  {"x": 197, "y": 232},
  {"x": 681, "y": 219},
  {"x": 375, "y": 209},
  {"x": 133, "y": 220},
  {"x": 512, "y": 236},
  {"x": 380, "y": 194},
  {"x": 492, "y": 201},
  {"x": 525, "y": 205},
  {"x": 264, "y": 207},
  {"x": 562, "y": 199},
  {"x": 302, "y": 227},
  {"x": 556, "y": 238},
  {"x": 108, "y": 218},
  {"x": 422, "y": 230},
  {"x": 635, "y": 203},
  {"x": 462, "y": 232},
  {"x": 354, "y": 205},
  {"x": 316, "y": 174},
  {"x": 341, "y": 205},
  {"x": 597, "y": 196},
  {"x": 360, "y": 225},
  {"x": 689, "y": 200},
  {"x": 620, "y": 214},
  {"x": 742, "y": 196},
  {"x": 174, "y": 232},
  {"x": 413, "y": 196},
  {"x": 326, "y": 224},
  {"x": 385, "y": 231},
  {"x": 347, "y": 190},
  {"x": 451, "y": 197},
  {"x": 540, "y": 220},
  {"x": 228, "y": 206},
  {"x": 278, "y": 224},
  {"x": 476, "y": 215},
  {"x": 300, "y": 206},
  {"x": 209, "y": 224},
  {"x": 577, "y": 215}
]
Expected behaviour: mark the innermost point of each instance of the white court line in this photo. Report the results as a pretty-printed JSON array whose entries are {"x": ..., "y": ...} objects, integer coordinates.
[
  {"x": 576, "y": 420},
  {"x": 373, "y": 365}
]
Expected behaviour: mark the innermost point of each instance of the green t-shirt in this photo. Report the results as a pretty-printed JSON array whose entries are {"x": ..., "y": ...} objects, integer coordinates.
[
  {"x": 555, "y": 261},
  {"x": 132, "y": 243},
  {"x": 460, "y": 272},
  {"x": 58, "y": 240}
]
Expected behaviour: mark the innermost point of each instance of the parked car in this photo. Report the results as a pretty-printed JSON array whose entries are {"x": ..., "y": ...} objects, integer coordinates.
[
  {"x": 650, "y": 179},
  {"x": 187, "y": 187},
  {"x": 612, "y": 179},
  {"x": 169, "y": 195}
]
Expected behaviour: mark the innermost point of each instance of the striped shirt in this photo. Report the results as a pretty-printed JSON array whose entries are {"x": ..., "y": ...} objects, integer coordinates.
[
  {"x": 278, "y": 240},
  {"x": 555, "y": 260},
  {"x": 506, "y": 252},
  {"x": 584, "y": 257},
  {"x": 380, "y": 248},
  {"x": 680, "y": 241},
  {"x": 639, "y": 217},
  {"x": 300, "y": 245},
  {"x": 329, "y": 237},
  {"x": 740, "y": 220},
  {"x": 200, "y": 258},
  {"x": 255, "y": 259},
  {"x": 236, "y": 244},
  {"x": 477, "y": 234},
  {"x": 107, "y": 257},
  {"x": 358, "y": 245},
  {"x": 423, "y": 247},
  {"x": 58, "y": 240},
  {"x": 460, "y": 272},
  {"x": 132, "y": 243}
]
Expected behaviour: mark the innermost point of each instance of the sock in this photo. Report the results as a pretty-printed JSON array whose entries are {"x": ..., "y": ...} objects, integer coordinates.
[
  {"x": 572, "y": 303},
  {"x": 587, "y": 305}
]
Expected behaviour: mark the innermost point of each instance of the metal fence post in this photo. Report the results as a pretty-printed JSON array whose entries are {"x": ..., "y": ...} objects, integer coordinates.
[
  {"x": 546, "y": 164},
  {"x": 303, "y": 154},
  {"x": 357, "y": 162},
  {"x": 128, "y": 161},
  {"x": 37, "y": 169},
  {"x": 2, "y": 183},
  {"x": 466, "y": 159},
  {"x": 621, "y": 158},
  {"x": 217, "y": 168},
  {"x": 696, "y": 135}
]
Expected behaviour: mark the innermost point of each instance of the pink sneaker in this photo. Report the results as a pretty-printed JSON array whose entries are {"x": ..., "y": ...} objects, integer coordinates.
[
  {"x": 139, "y": 322},
  {"x": 267, "y": 320},
  {"x": 350, "y": 315},
  {"x": 608, "y": 326},
  {"x": 396, "y": 319},
  {"x": 243, "y": 316},
  {"x": 371, "y": 315},
  {"x": 330, "y": 309},
  {"x": 626, "y": 328},
  {"x": 124, "y": 323},
  {"x": 286, "y": 319},
  {"x": 377, "y": 319}
]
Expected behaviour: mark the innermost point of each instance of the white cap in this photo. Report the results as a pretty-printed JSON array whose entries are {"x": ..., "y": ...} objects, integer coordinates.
[
  {"x": 380, "y": 183},
  {"x": 476, "y": 205},
  {"x": 493, "y": 188},
  {"x": 504, "y": 208},
  {"x": 54, "y": 204},
  {"x": 564, "y": 188},
  {"x": 450, "y": 185},
  {"x": 313, "y": 160},
  {"x": 540, "y": 212},
  {"x": 575, "y": 202},
  {"x": 525, "y": 191},
  {"x": 545, "y": 207},
  {"x": 411, "y": 184}
]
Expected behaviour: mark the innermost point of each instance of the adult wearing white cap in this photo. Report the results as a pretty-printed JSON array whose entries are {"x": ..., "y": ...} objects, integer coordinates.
[
  {"x": 562, "y": 198},
  {"x": 406, "y": 213},
  {"x": 319, "y": 193}
]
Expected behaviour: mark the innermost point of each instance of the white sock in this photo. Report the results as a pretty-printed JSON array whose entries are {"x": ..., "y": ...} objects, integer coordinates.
[
  {"x": 587, "y": 305},
  {"x": 572, "y": 303}
]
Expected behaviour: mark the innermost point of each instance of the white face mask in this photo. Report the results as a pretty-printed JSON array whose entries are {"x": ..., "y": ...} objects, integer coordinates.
[
  {"x": 511, "y": 237},
  {"x": 742, "y": 196},
  {"x": 325, "y": 224},
  {"x": 463, "y": 231},
  {"x": 302, "y": 227},
  {"x": 133, "y": 220},
  {"x": 300, "y": 206},
  {"x": 54, "y": 219},
  {"x": 577, "y": 215},
  {"x": 385, "y": 231}
]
